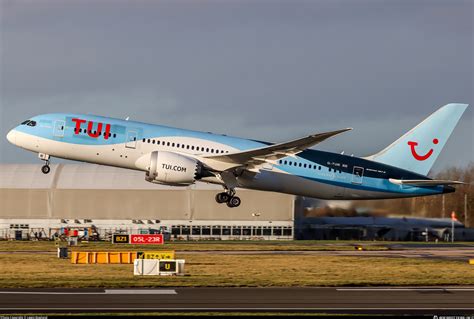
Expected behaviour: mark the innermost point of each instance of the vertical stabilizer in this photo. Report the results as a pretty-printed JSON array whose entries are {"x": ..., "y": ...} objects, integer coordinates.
[{"x": 419, "y": 148}]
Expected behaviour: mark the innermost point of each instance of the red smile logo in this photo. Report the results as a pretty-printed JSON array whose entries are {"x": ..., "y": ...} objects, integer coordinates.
[{"x": 421, "y": 157}]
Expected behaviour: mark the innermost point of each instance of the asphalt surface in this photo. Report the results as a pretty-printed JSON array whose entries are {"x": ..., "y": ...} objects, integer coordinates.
[
  {"x": 373, "y": 300},
  {"x": 462, "y": 253}
]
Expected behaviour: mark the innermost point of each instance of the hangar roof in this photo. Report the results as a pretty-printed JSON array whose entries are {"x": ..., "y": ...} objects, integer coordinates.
[{"x": 81, "y": 176}]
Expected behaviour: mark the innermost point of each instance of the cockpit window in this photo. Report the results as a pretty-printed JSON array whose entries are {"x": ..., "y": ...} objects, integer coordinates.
[
  {"x": 25, "y": 122},
  {"x": 31, "y": 123}
]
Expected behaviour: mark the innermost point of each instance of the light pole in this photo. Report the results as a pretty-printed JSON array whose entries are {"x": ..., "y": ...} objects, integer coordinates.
[{"x": 453, "y": 218}]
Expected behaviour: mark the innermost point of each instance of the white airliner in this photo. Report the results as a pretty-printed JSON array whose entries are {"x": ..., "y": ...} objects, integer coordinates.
[{"x": 181, "y": 157}]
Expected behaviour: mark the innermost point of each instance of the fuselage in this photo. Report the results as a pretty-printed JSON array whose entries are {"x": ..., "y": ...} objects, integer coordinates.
[{"x": 121, "y": 143}]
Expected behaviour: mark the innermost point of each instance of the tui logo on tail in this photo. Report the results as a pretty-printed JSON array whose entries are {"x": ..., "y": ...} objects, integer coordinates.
[{"x": 418, "y": 156}]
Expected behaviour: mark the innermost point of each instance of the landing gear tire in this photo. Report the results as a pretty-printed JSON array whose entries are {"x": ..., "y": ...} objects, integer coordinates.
[
  {"x": 234, "y": 202},
  {"x": 45, "y": 169},
  {"x": 222, "y": 198}
]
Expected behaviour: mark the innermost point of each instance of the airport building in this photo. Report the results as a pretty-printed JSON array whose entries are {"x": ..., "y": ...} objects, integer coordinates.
[
  {"x": 94, "y": 202},
  {"x": 97, "y": 201}
]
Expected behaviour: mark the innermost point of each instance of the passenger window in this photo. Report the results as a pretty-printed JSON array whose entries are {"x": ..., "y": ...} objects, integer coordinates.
[
  {"x": 143, "y": 140},
  {"x": 319, "y": 168},
  {"x": 168, "y": 144},
  {"x": 304, "y": 165},
  {"x": 207, "y": 150},
  {"x": 172, "y": 145},
  {"x": 115, "y": 135},
  {"x": 153, "y": 141},
  {"x": 300, "y": 165},
  {"x": 158, "y": 142},
  {"x": 187, "y": 147}
]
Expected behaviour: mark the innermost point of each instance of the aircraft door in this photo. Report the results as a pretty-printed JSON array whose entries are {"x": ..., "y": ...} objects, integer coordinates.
[
  {"x": 58, "y": 130},
  {"x": 131, "y": 141},
  {"x": 357, "y": 175}
]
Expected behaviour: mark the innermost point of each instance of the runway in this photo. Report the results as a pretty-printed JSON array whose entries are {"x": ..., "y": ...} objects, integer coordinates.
[
  {"x": 365, "y": 300},
  {"x": 461, "y": 253}
]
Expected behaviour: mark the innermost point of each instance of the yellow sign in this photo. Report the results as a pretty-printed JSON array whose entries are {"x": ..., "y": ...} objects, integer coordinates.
[
  {"x": 155, "y": 254},
  {"x": 120, "y": 239},
  {"x": 168, "y": 266}
]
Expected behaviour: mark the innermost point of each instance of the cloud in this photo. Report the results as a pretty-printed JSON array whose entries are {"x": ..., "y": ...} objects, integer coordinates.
[{"x": 257, "y": 69}]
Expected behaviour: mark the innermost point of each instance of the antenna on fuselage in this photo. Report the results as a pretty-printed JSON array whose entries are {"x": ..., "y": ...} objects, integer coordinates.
[{"x": 127, "y": 118}]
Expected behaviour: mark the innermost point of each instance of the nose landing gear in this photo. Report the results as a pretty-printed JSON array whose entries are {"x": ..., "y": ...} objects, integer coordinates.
[
  {"x": 45, "y": 168},
  {"x": 229, "y": 198}
]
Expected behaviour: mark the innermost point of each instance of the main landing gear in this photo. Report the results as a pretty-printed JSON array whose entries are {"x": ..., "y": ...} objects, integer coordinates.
[
  {"x": 229, "y": 198},
  {"x": 45, "y": 168}
]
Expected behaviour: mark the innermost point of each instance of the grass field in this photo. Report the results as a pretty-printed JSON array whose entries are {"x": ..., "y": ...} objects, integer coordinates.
[{"x": 33, "y": 269}]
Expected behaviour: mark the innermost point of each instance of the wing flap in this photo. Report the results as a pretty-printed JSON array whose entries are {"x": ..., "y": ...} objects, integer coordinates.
[{"x": 424, "y": 182}]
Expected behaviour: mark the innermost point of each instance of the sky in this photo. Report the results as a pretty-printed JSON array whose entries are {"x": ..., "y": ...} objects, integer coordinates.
[{"x": 267, "y": 70}]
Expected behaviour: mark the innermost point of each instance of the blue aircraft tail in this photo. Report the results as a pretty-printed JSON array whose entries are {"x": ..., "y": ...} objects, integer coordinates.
[{"x": 418, "y": 149}]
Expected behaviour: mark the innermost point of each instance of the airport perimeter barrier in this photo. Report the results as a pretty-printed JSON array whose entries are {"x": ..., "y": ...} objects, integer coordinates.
[
  {"x": 118, "y": 257},
  {"x": 158, "y": 267}
]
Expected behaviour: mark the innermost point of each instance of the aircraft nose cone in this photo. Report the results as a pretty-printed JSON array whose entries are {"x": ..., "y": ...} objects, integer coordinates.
[{"x": 11, "y": 137}]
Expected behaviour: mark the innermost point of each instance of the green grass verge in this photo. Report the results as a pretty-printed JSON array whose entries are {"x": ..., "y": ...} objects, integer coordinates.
[{"x": 230, "y": 270}]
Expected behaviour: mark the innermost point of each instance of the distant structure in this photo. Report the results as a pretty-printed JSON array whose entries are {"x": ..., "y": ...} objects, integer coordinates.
[{"x": 311, "y": 224}]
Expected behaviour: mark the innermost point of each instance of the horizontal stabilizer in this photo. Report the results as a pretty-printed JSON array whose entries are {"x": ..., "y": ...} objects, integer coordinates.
[{"x": 423, "y": 182}]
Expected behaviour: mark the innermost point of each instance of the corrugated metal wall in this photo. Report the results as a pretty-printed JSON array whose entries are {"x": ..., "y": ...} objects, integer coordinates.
[{"x": 126, "y": 196}]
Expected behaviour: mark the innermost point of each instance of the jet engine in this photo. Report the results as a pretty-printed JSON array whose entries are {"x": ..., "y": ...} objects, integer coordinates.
[{"x": 173, "y": 169}]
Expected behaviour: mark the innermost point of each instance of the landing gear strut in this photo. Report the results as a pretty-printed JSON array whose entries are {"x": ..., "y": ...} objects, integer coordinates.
[
  {"x": 229, "y": 198},
  {"x": 45, "y": 168}
]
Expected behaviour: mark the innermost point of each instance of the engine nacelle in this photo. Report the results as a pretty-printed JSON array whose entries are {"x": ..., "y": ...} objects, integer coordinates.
[{"x": 172, "y": 168}]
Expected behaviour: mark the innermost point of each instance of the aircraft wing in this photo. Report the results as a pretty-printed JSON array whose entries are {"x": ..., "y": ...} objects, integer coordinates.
[
  {"x": 272, "y": 153},
  {"x": 423, "y": 182}
]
